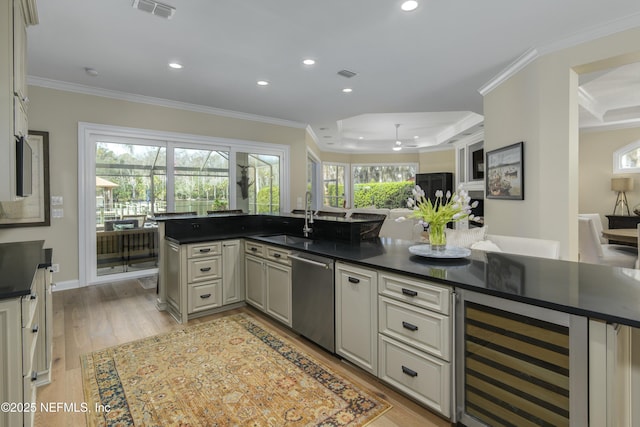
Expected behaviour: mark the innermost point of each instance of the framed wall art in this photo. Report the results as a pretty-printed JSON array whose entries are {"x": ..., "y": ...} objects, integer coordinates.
[
  {"x": 33, "y": 210},
  {"x": 505, "y": 173}
]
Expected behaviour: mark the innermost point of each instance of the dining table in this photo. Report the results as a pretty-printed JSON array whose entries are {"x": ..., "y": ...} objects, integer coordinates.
[{"x": 623, "y": 235}]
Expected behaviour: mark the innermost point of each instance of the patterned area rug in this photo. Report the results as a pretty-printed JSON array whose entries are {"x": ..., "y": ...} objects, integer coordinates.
[{"x": 226, "y": 372}]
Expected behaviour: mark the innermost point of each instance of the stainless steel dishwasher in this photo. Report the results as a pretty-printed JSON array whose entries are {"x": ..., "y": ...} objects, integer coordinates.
[{"x": 313, "y": 301}]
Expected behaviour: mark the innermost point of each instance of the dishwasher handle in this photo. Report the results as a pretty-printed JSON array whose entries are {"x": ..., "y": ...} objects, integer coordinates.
[{"x": 309, "y": 261}]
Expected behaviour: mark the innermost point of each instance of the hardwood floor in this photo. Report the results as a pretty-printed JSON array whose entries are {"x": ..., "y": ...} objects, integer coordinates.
[{"x": 96, "y": 317}]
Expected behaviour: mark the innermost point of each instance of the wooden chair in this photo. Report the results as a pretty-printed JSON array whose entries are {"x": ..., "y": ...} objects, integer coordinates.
[
  {"x": 226, "y": 211},
  {"x": 332, "y": 214},
  {"x": 165, "y": 214}
]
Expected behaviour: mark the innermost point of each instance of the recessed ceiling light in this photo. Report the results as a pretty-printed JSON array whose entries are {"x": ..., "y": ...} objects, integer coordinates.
[
  {"x": 309, "y": 62},
  {"x": 175, "y": 65},
  {"x": 397, "y": 148},
  {"x": 416, "y": 137},
  {"x": 91, "y": 71},
  {"x": 361, "y": 137},
  {"x": 347, "y": 90},
  {"x": 409, "y": 5},
  {"x": 262, "y": 83}
]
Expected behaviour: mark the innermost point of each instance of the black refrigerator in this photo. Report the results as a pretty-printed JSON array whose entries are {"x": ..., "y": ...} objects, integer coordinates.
[{"x": 432, "y": 182}]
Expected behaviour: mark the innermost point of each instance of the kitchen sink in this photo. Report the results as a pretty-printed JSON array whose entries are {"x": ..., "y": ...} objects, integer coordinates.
[{"x": 286, "y": 239}]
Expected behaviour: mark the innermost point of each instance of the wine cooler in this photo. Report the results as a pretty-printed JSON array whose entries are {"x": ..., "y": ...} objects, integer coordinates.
[{"x": 519, "y": 365}]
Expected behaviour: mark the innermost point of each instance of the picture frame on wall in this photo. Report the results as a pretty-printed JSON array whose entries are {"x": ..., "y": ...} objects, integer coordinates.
[
  {"x": 35, "y": 209},
  {"x": 505, "y": 173}
]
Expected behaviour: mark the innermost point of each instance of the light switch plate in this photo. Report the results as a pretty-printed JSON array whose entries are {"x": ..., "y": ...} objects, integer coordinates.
[
  {"x": 57, "y": 213},
  {"x": 56, "y": 200}
]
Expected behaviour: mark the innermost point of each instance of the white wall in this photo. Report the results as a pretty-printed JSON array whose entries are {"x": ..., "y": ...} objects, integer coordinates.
[
  {"x": 596, "y": 170},
  {"x": 539, "y": 105}
]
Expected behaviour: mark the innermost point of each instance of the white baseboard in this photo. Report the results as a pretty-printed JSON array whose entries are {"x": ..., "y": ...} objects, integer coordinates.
[{"x": 63, "y": 286}]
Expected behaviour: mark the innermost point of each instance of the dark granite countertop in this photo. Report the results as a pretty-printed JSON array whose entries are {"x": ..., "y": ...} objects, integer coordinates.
[
  {"x": 18, "y": 264},
  {"x": 596, "y": 291}
]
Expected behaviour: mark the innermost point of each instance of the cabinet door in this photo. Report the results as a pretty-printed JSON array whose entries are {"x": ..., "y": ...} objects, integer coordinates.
[
  {"x": 172, "y": 269},
  {"x": 19, "y": 51},
  {"x": 232, "y": 283},
  {"x": 279, "y": 291},
  {"x": 255, "y": 281},
  {"x": 357, "y": 316}
]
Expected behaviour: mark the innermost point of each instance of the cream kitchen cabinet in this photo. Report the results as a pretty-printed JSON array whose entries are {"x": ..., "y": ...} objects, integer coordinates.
[
  {"x": 15, "y": 16},
  {"x": 268, "y": 280},
  {"x": 232, "y": 272},
  {"x": 22, "y": 332},
  {"x": 416, "y": 339},
  {"x": 44, "y": 346},
  {"x": 201, "y": 277},
  {"x": 357, "y": 315}
]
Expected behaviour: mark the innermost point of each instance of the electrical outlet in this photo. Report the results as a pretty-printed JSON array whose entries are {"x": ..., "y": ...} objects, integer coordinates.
[{"x": 55, "y": 268}]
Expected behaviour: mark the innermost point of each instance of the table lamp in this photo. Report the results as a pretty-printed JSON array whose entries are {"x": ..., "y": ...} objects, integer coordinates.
[{"x": 621, "y": 185}]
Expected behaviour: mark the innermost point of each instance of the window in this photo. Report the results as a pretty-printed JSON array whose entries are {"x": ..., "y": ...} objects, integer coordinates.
[
  {"x": 333, "y": 179},
  {"x": 258, "y": 183},
  {"x": 130, "y": 180},
  {"x": 201, "y": 180},
  {"x": 126, "y": 175},
  {"x": 382, "y": 186},
  {"x": 627, "y": 159}
]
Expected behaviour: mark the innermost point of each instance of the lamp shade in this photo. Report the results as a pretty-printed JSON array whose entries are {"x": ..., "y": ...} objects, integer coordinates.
[{"x": 621, "y": 184}]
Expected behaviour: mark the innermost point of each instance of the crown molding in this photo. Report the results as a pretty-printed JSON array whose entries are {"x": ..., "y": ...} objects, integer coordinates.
[
  {"x": 313, "y": 135},
  {"x": 525, "y": 59},
  {"x": 593, "y": 33},
  {"x": 605, "y": 127},
  {"x": 161, "y": 102}
]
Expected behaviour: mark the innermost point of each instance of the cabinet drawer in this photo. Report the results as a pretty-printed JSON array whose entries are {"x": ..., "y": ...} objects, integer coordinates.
[
  {"x": 204, "y": 296},
  {"x": 253, "y": 248},
  {"x": 425, "y": 378},
  {"x": 29, "y": 341},
  {"x": 199, "y": 270},
  {"x": 278, "y": 255},
  {"x": 201, "y": 250},
  {"x": 420, "y": 293},
  {"x": 29, "y": 306},
  {"x": 427, "y": 331}
]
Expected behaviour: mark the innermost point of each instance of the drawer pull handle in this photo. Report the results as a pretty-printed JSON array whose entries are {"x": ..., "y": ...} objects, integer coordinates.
[
  {"x": 409, "y": 326},
  {"x": 205, "y": 269},
  {"x": 205, "y": 296},
  {"x": 409, "y": 372},
  {"x": 409, "y": 292},
  {"x": 35, "y": 329},
  {"x": 204, "y": 251},
  {"x": 34, "y": 376},
  {"x": 33, "y": 296},
  {"x": 353, "y": 280},
  {"x": 277, "y": 255},
  {"x": 254, "y": 249}
]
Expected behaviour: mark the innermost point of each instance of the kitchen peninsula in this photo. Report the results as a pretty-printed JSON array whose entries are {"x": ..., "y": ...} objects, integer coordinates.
[{"x": 516, "y": 310}]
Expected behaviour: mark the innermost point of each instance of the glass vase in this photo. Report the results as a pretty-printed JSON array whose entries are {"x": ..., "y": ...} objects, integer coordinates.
[{"x": 437, "y": 237}]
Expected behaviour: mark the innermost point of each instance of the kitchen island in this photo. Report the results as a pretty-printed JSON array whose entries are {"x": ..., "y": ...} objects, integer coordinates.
[{"x": 584, "y": 304}]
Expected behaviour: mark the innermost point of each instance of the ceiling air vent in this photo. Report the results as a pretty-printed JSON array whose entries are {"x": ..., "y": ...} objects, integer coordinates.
[
  {"x": 346, "y": 73},
  {"x": 156, "y": 8}
]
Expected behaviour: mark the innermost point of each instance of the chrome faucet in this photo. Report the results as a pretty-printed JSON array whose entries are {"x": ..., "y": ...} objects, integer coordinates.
[{"x": 308, "y": 214}]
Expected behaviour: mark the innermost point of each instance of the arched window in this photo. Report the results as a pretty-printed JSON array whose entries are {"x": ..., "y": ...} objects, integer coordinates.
[{"x": 627, "y": 159}]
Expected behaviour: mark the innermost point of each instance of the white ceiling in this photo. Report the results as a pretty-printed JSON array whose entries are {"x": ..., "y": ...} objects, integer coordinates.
[
  {"x": 610, "y": 98},
  {"x": 421, "y": 69}
]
